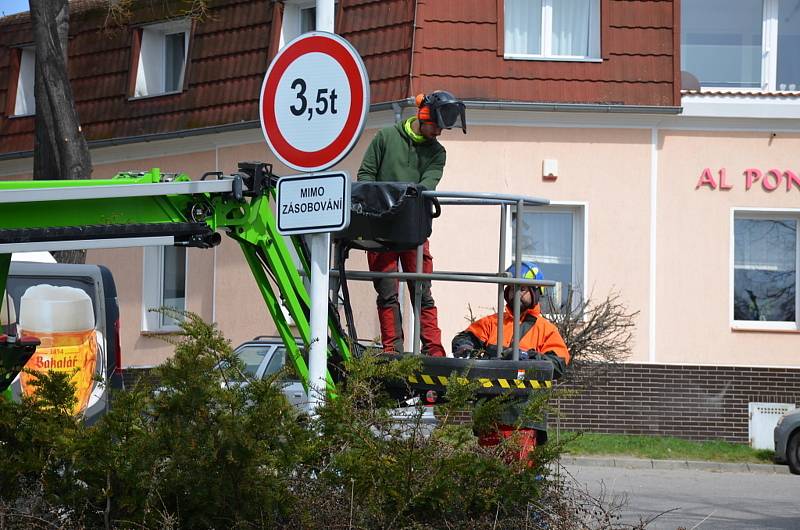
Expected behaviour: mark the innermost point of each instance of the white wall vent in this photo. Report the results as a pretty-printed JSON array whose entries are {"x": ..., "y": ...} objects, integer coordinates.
[{"x": 763, "y": 418}]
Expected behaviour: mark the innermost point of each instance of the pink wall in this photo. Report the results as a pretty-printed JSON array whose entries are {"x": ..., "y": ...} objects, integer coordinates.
[
  {"x": 606, "y": 170},
  {"x": 694, "y": 245},
  {"x": 505, "y": 160}
]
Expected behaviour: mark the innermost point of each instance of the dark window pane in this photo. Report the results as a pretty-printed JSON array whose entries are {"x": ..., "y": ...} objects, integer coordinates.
[
  {"x": 308, "y": 19},
  {"x": 765, "y": 274},
  {"x": 174, "y": 291},
  {"x": 175, "y": 53},
  {"x": 277, "y": 361}
]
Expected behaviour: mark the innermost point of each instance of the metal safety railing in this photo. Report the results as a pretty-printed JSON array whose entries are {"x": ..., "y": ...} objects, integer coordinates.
[{"x": 447, "y": 198}]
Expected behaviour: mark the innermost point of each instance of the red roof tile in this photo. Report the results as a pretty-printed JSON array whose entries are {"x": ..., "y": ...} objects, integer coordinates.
[
  {"x": 228, "y": 58},
  {"x": 408, "y": 46},
  {"x": 461, "y": 11},
  {"x": 641, "y": 14},
  {"x": 459, "y": 44}
]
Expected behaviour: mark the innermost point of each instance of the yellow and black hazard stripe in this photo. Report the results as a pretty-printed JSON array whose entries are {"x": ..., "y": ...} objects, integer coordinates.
[{"x": 440, "y": 380}]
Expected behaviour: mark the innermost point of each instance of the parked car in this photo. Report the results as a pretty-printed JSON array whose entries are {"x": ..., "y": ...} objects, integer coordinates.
[
  {"x": 265, "y": 355},
  {"x": 787, "y": 440}
]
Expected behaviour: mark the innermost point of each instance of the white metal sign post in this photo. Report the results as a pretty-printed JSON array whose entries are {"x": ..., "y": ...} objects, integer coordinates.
[{"x": 314, "y": 102}]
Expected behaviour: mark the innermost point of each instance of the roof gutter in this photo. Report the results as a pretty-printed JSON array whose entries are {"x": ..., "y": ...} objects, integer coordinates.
[
  {"x": 155, "y": 137},
  {"x": 544, "y": 107},
  {"x": 394, "y": 106}
]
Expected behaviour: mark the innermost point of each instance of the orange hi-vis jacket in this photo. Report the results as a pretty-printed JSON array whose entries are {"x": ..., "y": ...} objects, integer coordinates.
[{"x": 543, "y": 337}]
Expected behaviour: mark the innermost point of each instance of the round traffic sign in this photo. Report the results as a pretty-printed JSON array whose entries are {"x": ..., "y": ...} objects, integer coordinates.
[{"x": 314, "y": 101}]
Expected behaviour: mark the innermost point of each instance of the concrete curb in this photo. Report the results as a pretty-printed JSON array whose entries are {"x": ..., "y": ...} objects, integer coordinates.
[{"x": 642, "y": 463}]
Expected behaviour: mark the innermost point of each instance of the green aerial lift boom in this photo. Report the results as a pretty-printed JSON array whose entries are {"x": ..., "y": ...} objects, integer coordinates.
[
  {"x": 154, "y": 208},
  {"x": 138, "y": 209}
]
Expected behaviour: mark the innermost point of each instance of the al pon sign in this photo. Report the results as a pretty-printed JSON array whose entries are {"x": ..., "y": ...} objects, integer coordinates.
[{"x": 769, "y": 180}]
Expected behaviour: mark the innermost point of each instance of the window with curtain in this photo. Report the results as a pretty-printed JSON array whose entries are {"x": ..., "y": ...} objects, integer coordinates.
[
  {"x": 552, "y": 29},
  {"x": 765, "y": 269},
  {"x": 552, "y": 237}
]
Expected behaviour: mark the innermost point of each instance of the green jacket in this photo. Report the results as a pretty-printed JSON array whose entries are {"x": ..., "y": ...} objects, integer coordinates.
[{"x": 393, "y": 156}]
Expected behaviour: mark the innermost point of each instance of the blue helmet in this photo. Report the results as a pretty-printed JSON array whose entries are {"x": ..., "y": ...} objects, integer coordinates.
[{"x": 530, "y": 271}]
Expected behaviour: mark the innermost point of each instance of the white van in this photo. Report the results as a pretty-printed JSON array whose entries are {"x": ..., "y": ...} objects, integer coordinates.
[{"x": 94, "y": 349}]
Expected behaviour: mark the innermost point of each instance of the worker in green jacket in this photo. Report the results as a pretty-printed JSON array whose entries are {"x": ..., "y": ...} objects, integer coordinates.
[{"x": 410, "y": 152}]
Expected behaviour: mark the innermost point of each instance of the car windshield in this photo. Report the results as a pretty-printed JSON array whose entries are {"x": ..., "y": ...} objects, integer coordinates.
[{"x": 252, "y": 356}]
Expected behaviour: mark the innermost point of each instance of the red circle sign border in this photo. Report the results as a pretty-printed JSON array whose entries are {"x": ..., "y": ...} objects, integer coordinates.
[{"x": 346, "y": 56}]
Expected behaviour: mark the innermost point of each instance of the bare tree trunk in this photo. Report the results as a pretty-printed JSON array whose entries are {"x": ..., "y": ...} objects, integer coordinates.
[{"x": 60, "y": 150}]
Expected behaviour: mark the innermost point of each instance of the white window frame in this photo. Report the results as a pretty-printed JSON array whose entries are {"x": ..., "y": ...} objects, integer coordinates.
[
  {"x": 547, "y": 38},
  {"x": 763, "y": 213},
  {"x": 25, "y": 103},
  {"x": 769, "y": 56},
  {"x": 290, "y": 28},
  {"x": 153, "y": 290},
  {"x": 580, "y": 238},
  {"x": 151, "y": 66},
  {"x": 292, "y": 19}
]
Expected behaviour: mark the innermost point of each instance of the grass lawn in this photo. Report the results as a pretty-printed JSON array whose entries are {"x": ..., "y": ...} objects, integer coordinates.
[{"x": 661, "y": 448}]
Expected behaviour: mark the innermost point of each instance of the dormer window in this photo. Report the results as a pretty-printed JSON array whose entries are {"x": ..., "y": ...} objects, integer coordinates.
[
  {"x": 24, "y": 102},
  {"x": 552, "y": 30},
  {"x": 299, "y": 16},
  {"x": 161, "y": 63}
]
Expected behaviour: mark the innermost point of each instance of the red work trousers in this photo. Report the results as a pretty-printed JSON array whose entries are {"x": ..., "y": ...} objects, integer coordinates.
[
  {"x": 389, "y": 306},
  {"x": 527, "y": 442}
]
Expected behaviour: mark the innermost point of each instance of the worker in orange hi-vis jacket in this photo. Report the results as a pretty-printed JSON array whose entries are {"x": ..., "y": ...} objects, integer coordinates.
[{"x": 539, "y": 340}]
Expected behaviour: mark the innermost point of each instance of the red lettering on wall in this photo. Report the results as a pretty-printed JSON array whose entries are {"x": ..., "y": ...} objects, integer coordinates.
[
  {"x": 791, "y": 178},
  {"x": 751, "y": 175},
  {"x": 706, "y": 179},
  {"x": 723, "y": 182},
  {"x": 770, "y": 180},
  {"x": 777, "y": 176}
]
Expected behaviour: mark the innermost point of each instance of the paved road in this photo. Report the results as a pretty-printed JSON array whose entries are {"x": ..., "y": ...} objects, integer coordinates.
[{"x": 702, "y": 500}]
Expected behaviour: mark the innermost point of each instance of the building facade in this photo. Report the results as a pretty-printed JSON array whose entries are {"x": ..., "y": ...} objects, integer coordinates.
[{"x": 664, "y": 132}]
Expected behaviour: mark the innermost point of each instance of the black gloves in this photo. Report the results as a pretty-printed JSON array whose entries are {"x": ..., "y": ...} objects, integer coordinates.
[{"x": 465, "y": 343}]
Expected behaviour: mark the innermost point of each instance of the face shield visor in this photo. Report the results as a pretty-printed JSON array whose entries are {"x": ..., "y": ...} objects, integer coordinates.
[{"x": 449, "y": 115}]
